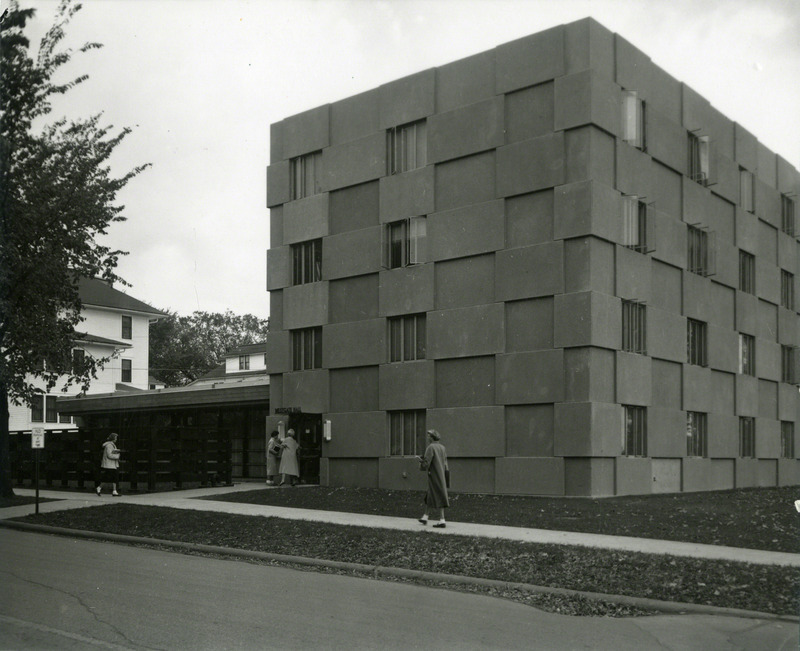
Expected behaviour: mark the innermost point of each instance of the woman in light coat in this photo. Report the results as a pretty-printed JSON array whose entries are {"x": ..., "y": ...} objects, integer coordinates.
[
  {"x": 289, "y": 467},
  {"x": 109, "y": 465}
]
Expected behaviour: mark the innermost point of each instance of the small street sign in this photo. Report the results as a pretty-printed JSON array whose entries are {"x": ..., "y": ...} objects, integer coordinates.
[{"x": 37, "y": 438}]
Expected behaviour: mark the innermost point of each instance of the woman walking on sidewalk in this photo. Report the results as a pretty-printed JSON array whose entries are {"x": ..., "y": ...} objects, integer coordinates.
[
  {"x": 435, "y": 462},
  {"x": 109, "y": 465}
]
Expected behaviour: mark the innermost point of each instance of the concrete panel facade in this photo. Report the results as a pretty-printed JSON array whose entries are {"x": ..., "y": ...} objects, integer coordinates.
[{"x": 512, "y": 287}]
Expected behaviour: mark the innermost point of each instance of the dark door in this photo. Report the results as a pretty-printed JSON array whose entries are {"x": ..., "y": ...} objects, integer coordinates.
[{"x": 308, "y": 429}]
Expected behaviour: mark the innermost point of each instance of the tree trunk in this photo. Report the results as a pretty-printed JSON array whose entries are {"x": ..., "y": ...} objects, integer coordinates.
[{"x": 6, "y": 484}]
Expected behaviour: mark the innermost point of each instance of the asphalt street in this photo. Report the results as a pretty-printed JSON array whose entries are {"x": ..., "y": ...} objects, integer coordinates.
[{"x": 74, "y": 594}]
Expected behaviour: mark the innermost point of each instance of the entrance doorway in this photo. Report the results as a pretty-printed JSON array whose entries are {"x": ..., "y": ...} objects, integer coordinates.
[{"x": 308, "y": 429}]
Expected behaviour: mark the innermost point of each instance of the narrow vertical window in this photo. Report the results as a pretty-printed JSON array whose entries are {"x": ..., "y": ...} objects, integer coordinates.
[
  {"x": 638, "y": 224},
  {"x": 37, "y": 408},
  {"x": 696, "y": 346},
  {"x": 746, "y": 190},
  {"x": 307, "y": 262},
  {"x": 244, "y": 362},
  {"x": 634, "y": 327},
  {"x": 787, "y": 364},
  {"x": 405, "y": 242},
  {"x": 306, "y": 348},
  {"x": 634, "y": 441},
  {"x": 696, "y": 437},
  {"x": 305, "y": 174},
  {"x": 407, "y": 338},
  {"x": 699, "y": 158},
  {"x": 747, "y": 437},
  {"x": 78, "y": 359},
  {"x": 127, "y": 370},
  {"x": 787, "y": 215},
  {"x": 50, "y": 413},
  {"x": 633, "y": 120},
  {"x": 787, "y": 439},
  {"x": 700, "y": 251},
  {"x": 747, "y": 354},
  {"x": 407, "y": 432},
  {"x": 747, "y": 272},
  {"x": 787, "y": 289},
  {"x": 127, "y": 327},
  {"x": 406, "y": 147}
]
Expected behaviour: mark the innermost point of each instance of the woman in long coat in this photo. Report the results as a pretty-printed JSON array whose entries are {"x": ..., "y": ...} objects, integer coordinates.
[
  {"x": 435, "y": 462},
  {"x": 289, "y": 465},
  {"x": 273, "y": 457}
]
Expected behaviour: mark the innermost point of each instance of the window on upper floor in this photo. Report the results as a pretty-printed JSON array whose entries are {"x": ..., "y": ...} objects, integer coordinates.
[
  {"x": 638, "y": 224},
  {"x": 127, "y": 370},
  {"x": 747, "y": 272},
  {"x": 787, "y": 289},
  {"x": 700, "y": 251},
  {"x": 696, "y": 345},
  {"x": 407, "y": 432},
  {"x": 787, "y": 214},
  {"x": 306, "y": 349},
  {"x": 407, "y": 338},
  {"x": 700, "y": 158},
  {"x": 127, "y": 327},
  {"x": 244, "y": 362},
  {"x": 787, "y": 439},
  {"x": 788, "y": 364},
  {"x": 305, "y": 173},
  {"x": 634, "y": 441},
  {"x": 405, "y": 242},
  {"x": 633, "y": 119},
  {"x": 696, "y": 434},
  {"x": 78, "y": 359},
  {"x": 747, "y": 436},
  {"x": 634, "y": 327},
  {"x": 406, "y": 147},
  {"x": 747, "y": 354},
  {"x": 747, "y": 190},
  {"x": 307, "y": 262},
  {"x": 37, "y": 408},
  {"x": 50, "y": 413}
]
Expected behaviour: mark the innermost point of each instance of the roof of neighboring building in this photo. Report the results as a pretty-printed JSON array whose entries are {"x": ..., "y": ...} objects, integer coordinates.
[
  {"x": 96, "y": 292},
  {"x": 96, "y": 339},
  {"x": 248, "y": 349}
]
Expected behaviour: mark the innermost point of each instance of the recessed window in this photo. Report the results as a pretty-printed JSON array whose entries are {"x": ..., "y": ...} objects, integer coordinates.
[
  {"x": 407, "y": 432},
  {"x": 700, "y": 251},
  {"x": 634, "y": 442},
  {"x": 747, "y": 436},
  {"x": 305, "y": 173},
  {"x": 244, "y": 362},
  {"x": 78, "y": 359},
  {"x": 747, "y": 272},
  {"x": 638, "y": 224},
  {"x": 633, "y": 121},
  {"x": 407, "y": 147},
  {"x": 696, "y": 346},
  {"x": 634, "y": 327},
  {"x": 307, "y": 262},
  {"x": 787, "y": 289},
  {"x": 37, "y": 408},
  {"x": 127, "y": 370},
  {"x": 747, "y": 354},
  {"x": 699, "y": 158},
  {"x": 127, "y": 327},
  {"x": 306, "y": 348},
  {"x": 787, "y": 214},
  {"x": 696, "y": 434},
  {"x": 405, "y": 242},
  {"x": 787, "y": 364},
  {"x": 746, "y": 190},
  {"x": 50, "y": 413},
  {"x": 407, "y": 338},
  {"x": 787, "y": 439}
]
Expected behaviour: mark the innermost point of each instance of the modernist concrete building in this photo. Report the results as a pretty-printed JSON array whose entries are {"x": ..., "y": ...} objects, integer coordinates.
[{"x": 564, "y": 259}]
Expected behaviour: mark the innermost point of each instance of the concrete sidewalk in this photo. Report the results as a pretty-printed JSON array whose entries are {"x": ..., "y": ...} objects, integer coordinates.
[{"x": 187, "y": 499}]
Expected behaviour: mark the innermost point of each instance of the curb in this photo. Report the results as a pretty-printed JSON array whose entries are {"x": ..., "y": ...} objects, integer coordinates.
[{"x": 377, "y": 571}]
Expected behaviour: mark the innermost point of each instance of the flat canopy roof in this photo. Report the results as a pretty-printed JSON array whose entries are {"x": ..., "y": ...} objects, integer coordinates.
[{"x": 250, "y": 391}]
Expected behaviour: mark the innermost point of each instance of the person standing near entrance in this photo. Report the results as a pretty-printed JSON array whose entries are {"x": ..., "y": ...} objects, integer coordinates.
[
  {"x": 273, "y": 457},
  {"x": 109, "y": 465},
  {"x": 289, "y": 467},
  {"x": 435, "y": 462}
]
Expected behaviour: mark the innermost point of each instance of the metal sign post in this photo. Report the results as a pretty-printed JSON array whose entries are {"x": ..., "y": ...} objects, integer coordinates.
[{"x": 37, "y": 443}]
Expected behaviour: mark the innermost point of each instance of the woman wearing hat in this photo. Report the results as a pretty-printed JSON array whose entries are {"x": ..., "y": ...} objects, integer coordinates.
[{"x": 435, "y": 462}]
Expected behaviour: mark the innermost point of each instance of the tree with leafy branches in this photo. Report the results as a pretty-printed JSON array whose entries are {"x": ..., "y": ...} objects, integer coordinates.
[
  {"x": 57, "y": 195},
  {"x": 183, "y": 348}
]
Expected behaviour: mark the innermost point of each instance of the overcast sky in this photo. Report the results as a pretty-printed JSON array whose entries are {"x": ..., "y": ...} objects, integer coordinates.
[{"x": 201, "y": 81}]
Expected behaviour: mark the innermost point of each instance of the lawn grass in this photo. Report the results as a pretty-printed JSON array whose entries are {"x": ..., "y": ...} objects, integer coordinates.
[
  {"x": 755, "y": 518},
  {"x": 719, "y": 583}
]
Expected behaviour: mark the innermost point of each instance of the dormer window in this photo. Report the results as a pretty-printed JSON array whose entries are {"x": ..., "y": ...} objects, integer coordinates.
[{"x": 244, "y": 362}]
